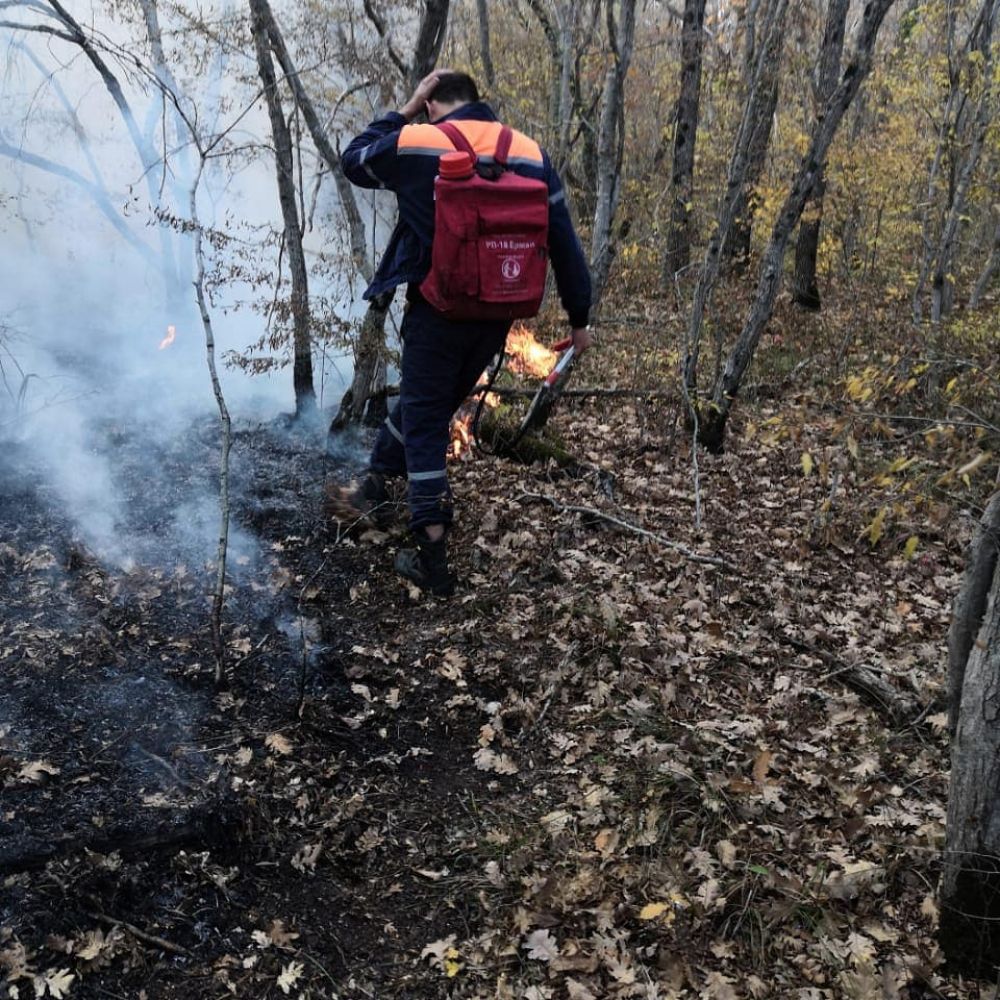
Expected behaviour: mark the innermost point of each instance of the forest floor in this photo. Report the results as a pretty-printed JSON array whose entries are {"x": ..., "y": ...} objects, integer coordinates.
[{"x": 604, "y": 769}]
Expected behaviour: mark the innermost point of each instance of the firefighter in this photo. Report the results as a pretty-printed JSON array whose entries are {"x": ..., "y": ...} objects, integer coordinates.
[{"x": 442, "y": 358}]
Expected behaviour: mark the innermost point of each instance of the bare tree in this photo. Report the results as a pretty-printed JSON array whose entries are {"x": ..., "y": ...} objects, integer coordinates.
[
  {"x": 302, "y": 377},
  {"x": 762, "y": 101},
  {"x": 961, "y": 137},
  {"x": 611, "y": 143},
  {"x": 713, "y": 419},
  {"x": 678, "y": 252},
  {"x": 969, "y": 928},
  {"x": 728, "y": 206},
  {"x": 804, "y": 288}
]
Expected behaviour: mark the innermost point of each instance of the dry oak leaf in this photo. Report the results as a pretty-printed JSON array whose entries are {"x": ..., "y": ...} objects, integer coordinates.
[
  {"x": 542, "y": 946},
  {"x": 57, "y": 983},
  {"x": 35, "y": 770},
  {"x": 290, "y": 975},
  {"x": 279, "y": 744},
  {"x": 486, "y": 760}
]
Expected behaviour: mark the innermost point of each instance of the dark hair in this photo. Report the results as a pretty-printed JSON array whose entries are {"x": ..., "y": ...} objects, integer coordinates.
[{"x": 454, "y": 87}]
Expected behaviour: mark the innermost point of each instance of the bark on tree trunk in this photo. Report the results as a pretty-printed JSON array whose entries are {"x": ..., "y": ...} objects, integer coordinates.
[
  {"x": 610, "y": 147},
  {"x": 805, "y": 290},
  {"x": 965, "y": 152},
  {"x": 969, "y": 930},
  {"x": 368, "y": 382},
  {"x": 712, "y": 424},
  {"x": 724, "y": 223},
  {"x": 485, "y": 49},
  {"x": 970, "y": 604},
  {"x": 678, "y": 252},
  {"x": 302, "y": 372},
  {"x": 430, "y": 39},
  {"x": 991, "y": 267},
  {"x": 763, "y": 101},
  {"x": 348, "y": 202}
]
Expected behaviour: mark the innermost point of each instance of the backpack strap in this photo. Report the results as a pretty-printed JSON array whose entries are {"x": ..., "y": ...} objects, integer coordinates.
[
  {"x": 458, "y": 140},
  {"x": 503, "y": 146}
]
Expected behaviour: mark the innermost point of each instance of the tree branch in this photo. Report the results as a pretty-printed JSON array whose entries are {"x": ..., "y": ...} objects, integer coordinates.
[{"x": 683, "y": 550}]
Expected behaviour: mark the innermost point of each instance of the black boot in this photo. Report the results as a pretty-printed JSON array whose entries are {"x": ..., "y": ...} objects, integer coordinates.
[{"x": 427, "y": 566}]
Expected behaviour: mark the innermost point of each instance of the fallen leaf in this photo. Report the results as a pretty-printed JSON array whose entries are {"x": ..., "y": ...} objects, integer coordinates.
[
  {"x": 279, "y": 744},
  {"x": 290, "y": 975},
  {"x": 59, "y": 983},
  {"x": 36, "y": 770},
  {"x": 652, "y": 910},
  {"x": 542, "y": 946}
]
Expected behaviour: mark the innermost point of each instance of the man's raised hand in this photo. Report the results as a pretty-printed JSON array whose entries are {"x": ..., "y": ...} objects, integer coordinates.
[{"x": 425, "y": 88}]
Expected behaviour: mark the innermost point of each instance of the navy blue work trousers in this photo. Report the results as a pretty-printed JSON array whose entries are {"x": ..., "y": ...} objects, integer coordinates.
[{"x": 442, "y": 361}]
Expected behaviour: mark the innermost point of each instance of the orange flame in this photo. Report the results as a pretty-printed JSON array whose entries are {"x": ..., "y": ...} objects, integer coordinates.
[
  {"x": 525, "y": 356},
  {"x": 170, "y": 337}
]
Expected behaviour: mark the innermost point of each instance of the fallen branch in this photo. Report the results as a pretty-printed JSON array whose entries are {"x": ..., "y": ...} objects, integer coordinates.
[
  {"x": 683, "y": 550},
  {"x": 162, "y": 943},
  {"x": 584, "y": 392},
  {"x": 869, "y": 683}
]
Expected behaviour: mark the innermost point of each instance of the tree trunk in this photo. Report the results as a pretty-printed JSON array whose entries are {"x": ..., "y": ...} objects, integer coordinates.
[
  {"x": 991, "y": 267},
  {"x": 430, "y": 39},
  {"x": 348, "y": 202},
  {"x": 712, "y": 424},
  {"x": 368, "y": 383},
  {"x": 610, "y": 146},
  {"x": 805, "y": 291},
  {"x": 485, "y": 50},
  {"x": 970, "y": 604},
  {"x": 727, "y": 213},
  {"x": 941, "y": 280},
  {"x": 678, "y": 253},
  {"x": 969, "y": 930},
  {"x": 937, "y": 254},
  {"x": 305, "y": 393},
  {"x": 763, "y": 102}
]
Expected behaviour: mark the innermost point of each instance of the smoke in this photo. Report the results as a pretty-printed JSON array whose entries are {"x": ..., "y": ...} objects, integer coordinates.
[{"x": 87, "y": 296}]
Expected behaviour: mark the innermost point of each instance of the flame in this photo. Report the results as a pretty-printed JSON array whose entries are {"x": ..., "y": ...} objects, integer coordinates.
[
  {"x": 526, "y": 356},
  {"x": 170, "y": 337}
]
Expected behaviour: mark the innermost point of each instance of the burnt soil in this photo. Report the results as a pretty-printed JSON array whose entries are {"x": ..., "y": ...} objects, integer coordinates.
[{"x": 201, "y": 816}]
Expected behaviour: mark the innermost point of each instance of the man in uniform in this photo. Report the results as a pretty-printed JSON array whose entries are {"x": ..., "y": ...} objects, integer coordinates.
[{"x": 442, "y": 358}]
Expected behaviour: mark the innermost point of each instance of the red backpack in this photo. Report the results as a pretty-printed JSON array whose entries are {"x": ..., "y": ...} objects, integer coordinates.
[{"x": 491, "y": 228}]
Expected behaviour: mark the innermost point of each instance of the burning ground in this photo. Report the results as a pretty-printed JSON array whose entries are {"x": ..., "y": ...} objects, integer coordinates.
[{"x": 604, "y": 770}]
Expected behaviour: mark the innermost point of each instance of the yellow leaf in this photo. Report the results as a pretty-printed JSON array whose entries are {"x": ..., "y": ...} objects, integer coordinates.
[
  {"x": 910, "y": 549},
  {"x": 807, "y": 464},
  {"x": 652, "y": 910},
  {"x": 452, "y": 968},
  {"x": 875, "y": 529}
]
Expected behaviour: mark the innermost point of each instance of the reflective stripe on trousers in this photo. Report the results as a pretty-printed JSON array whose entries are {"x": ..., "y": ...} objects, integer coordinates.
[{"x": 442, "y": 361}]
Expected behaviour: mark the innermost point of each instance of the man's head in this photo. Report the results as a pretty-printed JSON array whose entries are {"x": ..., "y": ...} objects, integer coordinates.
[{"x": 450, "y": 93}]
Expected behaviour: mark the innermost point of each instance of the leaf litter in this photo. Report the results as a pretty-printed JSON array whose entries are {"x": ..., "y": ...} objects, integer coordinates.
[{"x": 598, "y": 772}]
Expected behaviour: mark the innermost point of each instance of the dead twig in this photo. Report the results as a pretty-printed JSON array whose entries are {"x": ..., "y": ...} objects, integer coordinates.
[
  {"x": 683, "y": 550},
  {"x": 869, "y": 683},
  {"x": 158, "y": 942}
]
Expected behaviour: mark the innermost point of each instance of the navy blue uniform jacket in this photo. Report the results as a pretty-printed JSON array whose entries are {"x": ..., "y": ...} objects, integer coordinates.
[{"x": 404, "y": 159}]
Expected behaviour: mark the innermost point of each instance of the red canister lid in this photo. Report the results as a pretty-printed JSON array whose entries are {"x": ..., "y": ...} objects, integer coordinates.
[{"x": 455, "y": 166}]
